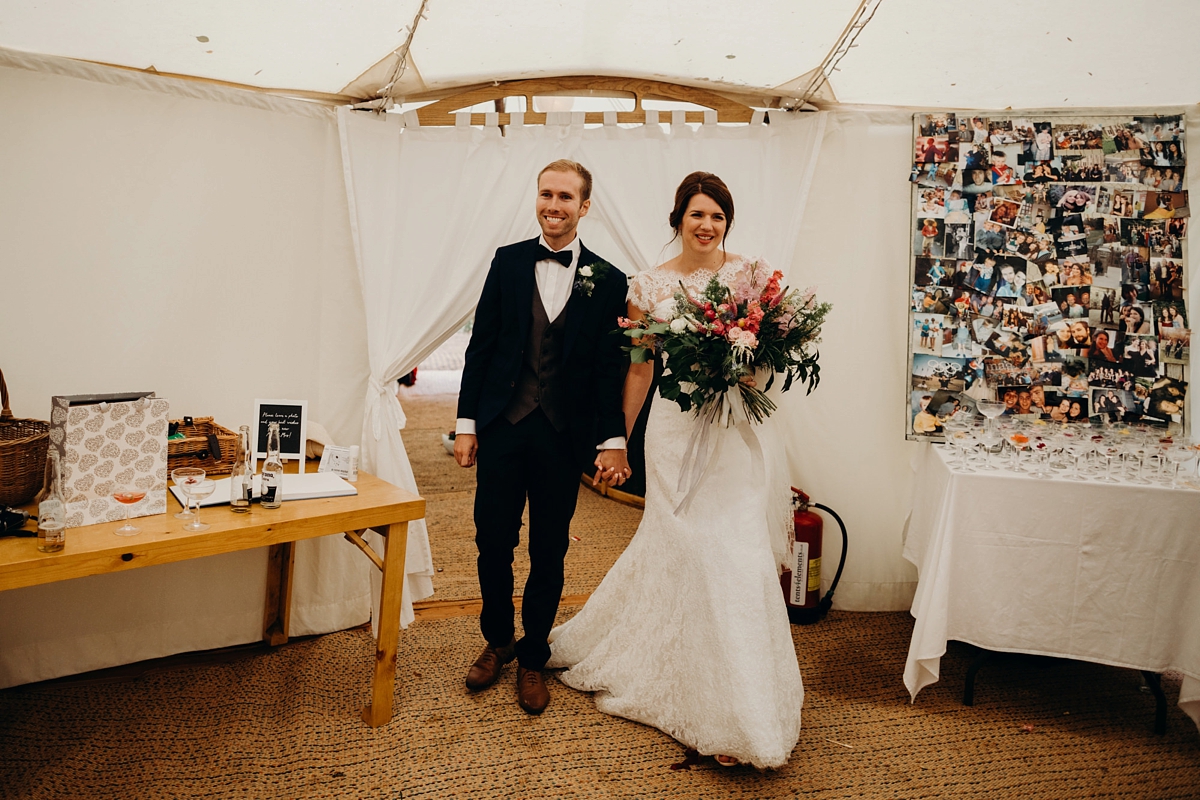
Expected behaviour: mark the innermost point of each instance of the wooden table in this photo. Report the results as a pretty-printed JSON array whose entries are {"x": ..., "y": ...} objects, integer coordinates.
[{"x": 380, "y": 506}]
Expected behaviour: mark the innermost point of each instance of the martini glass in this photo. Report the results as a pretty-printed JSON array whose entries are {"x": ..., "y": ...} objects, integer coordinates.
[
  {"x": 199, "y": 491},
  {"x": 127, "y": 497},
  {"x": 185, "y": 478}
]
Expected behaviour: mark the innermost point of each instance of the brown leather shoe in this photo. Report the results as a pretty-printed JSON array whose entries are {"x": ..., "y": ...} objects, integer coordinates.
[
  {"x": 487, "y": 667},
  {"x": 532, "y": 694}
]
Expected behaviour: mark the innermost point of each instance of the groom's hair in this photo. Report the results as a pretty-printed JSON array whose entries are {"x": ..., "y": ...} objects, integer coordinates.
[{"x": 567, "y": 165}]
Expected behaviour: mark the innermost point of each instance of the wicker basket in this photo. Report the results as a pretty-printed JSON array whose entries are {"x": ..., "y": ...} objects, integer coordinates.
[
  {"x": 193, "y": 450},
  {"x": 23, "y": 445}
]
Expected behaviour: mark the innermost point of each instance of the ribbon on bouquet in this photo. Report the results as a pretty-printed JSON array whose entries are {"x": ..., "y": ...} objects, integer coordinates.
[{"x": 698, "y": 458}]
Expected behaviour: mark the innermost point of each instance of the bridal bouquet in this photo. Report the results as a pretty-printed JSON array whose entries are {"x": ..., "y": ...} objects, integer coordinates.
[{"x": 716, "y": 341}]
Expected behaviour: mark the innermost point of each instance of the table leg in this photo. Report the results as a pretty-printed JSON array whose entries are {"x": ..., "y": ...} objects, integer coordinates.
[
  {"x": 1154, "y": 682},
  {"x": 383, "y": 682},
  {"x": 281, "y": 558},
  {"x": 981, "y": 658}
]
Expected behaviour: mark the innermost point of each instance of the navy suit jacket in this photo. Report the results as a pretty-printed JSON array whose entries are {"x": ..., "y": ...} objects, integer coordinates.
[{"x": 593, "y": 362}]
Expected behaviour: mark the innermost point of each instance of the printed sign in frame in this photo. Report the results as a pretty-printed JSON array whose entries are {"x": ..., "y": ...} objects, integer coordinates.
[{"x": 292, "y": 416}]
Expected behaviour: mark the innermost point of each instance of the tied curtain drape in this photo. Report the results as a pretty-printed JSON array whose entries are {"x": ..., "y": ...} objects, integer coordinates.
[{"x": 428, "y": 208}]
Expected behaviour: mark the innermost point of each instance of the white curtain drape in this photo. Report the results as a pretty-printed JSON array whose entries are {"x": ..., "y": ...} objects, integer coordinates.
[
  {"x": 428, "y": 207},
  {"x": 768, "y": 169},
  {"x": 157, "y": 206}
]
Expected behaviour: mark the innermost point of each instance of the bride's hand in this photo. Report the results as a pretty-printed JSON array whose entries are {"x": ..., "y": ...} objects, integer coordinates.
[{"x": 748, "y": 380}]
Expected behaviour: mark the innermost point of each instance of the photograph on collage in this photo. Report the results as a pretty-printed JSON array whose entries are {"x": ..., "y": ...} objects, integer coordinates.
[
  {"x": 934, "y": 174},
  {"x": 929, "y": 238},
  {"x": 1049, "y": 267},
  {"x": 928, "y": 332},
  {"x": 1174, "y": 345}
]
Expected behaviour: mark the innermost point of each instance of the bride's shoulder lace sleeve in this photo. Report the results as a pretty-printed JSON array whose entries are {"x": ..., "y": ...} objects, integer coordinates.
[
  {"x": 643, "y": 291},
  {"x": 751, "y": 270}
]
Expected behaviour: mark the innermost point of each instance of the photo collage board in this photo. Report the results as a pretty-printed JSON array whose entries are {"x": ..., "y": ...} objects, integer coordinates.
[{"x": 1049, "y": 272}]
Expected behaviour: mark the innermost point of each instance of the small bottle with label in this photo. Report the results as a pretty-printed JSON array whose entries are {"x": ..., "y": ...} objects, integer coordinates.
[
  {"x": 352, "y": 473},
  {"x": 52, "y": 510},
  {"x": 241, "y": 481},
  {"x": 272, "y": 471}
]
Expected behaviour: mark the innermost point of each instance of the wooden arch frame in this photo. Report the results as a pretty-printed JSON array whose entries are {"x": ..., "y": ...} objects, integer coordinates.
[{"x": 442, "y": 112}]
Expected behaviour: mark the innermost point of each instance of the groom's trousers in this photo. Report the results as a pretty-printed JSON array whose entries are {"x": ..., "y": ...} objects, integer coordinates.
[{"x": 528, "y": 459}]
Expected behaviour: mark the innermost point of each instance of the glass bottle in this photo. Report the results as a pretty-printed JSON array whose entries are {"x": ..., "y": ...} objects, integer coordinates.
[
  {"x": 272, "y": 471},
  {"x": 241, "y": 481},
  {"x": 52, "y": 510}
]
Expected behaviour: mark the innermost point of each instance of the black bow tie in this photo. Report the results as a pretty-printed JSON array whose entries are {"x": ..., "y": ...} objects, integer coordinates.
[{"x": 562, "y": 256}]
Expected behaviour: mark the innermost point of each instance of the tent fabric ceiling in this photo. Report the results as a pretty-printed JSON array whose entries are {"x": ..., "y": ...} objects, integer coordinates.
[{"x": 1022, "y": 53}]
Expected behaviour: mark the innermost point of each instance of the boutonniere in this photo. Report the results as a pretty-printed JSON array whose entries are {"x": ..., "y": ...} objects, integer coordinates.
[{"x": 588, "y": 275}]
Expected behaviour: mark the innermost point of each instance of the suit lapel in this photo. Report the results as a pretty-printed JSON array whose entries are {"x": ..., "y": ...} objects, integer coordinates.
[
  {"x": 524, "y": 280},
  {"x": 576, "y": 305}
]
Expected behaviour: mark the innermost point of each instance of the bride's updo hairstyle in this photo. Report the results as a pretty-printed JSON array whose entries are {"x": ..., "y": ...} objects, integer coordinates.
[{"x": 704, "y": 183}]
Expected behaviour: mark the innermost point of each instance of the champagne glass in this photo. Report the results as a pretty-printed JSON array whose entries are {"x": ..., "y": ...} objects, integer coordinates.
[
  {"x": 1178, "y": 454},
  {"x": 1040, "y": 449},
  {"x": 1135, "y": 462},
  {"x": 1109, "y": 450},
  {"x": 1019, "y": 441},
  {"x": 990, "y": 409},
  {"x": 185, "y": 478},
  {"x": 198, "y": 492},
  {"x": 127, "y": 497},
  {"x": 954, "y": 425},
  {"x": 988, "y": 440},
  {"x": 1074, "y": 447},
  {"x": 963, "y": 440}
]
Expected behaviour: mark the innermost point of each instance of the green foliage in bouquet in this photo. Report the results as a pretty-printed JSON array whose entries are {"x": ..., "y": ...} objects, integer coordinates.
[{"x": 717, "y": 341}]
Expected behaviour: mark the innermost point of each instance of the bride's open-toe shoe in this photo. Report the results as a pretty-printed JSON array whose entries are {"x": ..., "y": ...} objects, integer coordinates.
[{"x": 726, "y": 761}]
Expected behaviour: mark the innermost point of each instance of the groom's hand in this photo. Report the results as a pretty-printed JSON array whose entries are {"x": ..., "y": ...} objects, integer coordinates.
[
  {"x": 466, "y": 446},
  {"x": 612, "y": 467}
]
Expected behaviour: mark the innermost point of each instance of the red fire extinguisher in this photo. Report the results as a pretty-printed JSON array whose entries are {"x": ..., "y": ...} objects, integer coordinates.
[{"x": 801, "y": 579}]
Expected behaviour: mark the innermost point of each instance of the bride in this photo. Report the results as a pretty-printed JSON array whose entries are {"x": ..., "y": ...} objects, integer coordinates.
[{"x": 688, "y": 631}]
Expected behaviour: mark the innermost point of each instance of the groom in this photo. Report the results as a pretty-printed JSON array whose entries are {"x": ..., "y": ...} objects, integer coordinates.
[{"x": 541, "y": 385}]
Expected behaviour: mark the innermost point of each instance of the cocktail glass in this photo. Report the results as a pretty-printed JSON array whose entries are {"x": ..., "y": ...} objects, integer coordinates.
[
  {"x": 127, "y": 497},
  {"x": 198, "y": 492},
  {"x": 185, "y": 478}
]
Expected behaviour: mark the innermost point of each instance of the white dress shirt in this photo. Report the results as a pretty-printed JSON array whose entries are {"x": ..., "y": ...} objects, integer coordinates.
[{"x": 554, "y": 283}]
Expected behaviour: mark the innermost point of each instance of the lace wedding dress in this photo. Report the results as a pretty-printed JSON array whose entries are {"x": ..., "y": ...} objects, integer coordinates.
[{"x": 688, "y": 631}]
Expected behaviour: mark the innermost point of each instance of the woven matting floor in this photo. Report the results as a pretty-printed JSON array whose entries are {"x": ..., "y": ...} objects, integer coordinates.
[{"x": 284, "y": 723}]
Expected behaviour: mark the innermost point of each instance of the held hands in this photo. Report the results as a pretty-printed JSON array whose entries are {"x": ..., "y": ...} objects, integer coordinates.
[
  {"x": 612, "y": 467},
  {"x": 466, "y": 447}
]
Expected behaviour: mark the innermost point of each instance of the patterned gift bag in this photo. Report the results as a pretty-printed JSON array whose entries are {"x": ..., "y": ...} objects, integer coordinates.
[{"x": 110, "y": 443}]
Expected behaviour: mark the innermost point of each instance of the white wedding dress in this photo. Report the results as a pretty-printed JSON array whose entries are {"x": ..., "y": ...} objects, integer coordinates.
[{"x": 688, "y": 631}]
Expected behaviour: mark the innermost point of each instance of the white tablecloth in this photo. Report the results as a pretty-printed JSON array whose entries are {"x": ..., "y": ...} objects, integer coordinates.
[{"x": 1099, "y": 572}]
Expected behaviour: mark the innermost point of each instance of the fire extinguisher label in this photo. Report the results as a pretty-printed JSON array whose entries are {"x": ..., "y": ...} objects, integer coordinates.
[
  {"x": 800, "y": 568},
  {"x": 814, "y": 575}
]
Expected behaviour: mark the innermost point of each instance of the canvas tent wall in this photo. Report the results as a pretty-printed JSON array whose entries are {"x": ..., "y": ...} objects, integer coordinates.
[{"x": 1027, "y": 54}]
